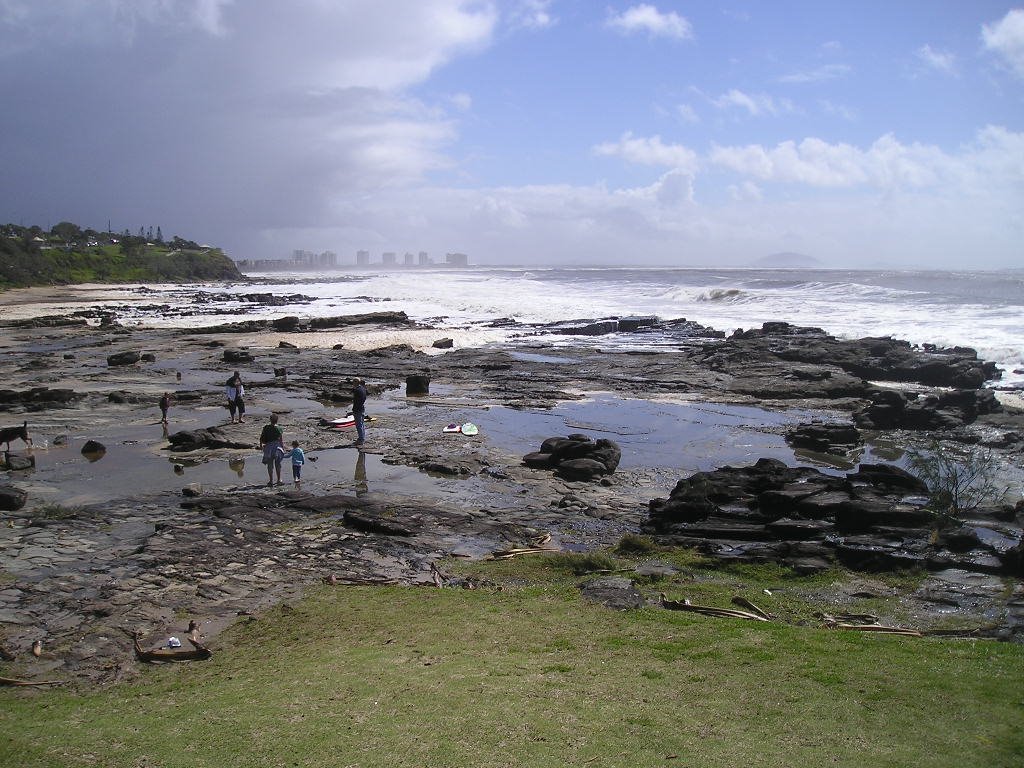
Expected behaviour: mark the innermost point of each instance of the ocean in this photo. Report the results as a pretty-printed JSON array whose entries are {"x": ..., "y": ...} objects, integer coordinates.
[{"x": 983, "y": 310}]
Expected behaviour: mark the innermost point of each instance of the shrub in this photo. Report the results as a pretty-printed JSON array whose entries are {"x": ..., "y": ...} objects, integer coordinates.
[
  {"x": 580, "y": 563},
  {"x": 633, "y": 544},
  {"x": 959, "y": 479}
]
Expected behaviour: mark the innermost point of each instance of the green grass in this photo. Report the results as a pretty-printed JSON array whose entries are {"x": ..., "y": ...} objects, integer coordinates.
[{"x": 526, "y": 673}]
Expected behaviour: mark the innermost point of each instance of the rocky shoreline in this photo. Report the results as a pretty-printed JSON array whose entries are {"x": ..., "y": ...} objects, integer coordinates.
[{"x": 139, "y": 537}]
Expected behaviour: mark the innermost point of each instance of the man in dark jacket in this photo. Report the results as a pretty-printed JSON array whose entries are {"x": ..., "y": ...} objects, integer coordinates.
[{"x": 359, "y": 409}]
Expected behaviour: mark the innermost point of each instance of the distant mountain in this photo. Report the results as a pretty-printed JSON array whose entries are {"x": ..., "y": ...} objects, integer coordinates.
[{"x": 787, "y": 260}]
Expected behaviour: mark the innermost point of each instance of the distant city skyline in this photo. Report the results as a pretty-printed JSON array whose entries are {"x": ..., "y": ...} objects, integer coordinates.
[
  {"x": 302, "y": 260},
  {"x": 527, "y": 131}
]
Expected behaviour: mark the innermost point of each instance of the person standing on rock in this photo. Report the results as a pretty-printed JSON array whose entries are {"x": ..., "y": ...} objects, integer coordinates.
[
  {"x": 272, "y": 443},
  {"x": 359, "y": 409},
  {"x": 234, "y": 392}
]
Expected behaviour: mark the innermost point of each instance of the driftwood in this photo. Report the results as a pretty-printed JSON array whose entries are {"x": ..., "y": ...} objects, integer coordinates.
[
  {"x": 708, "y": 610},
  {"x": 26, "y": 683},
  {"x": 846, "y": 621},
  {"x": 744, "y": 603},
  {"x": 878, "y": 628},
  {"x": 537, "y": 546}
]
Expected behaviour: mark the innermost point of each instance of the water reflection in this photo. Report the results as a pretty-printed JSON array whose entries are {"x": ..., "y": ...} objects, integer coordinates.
[
  {"x": 359, "y": 477},
  {"x": 237, "y": 465}
]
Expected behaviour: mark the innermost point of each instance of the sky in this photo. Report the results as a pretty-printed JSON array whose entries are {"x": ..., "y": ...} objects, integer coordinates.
[{"x": 867, "y": 134}]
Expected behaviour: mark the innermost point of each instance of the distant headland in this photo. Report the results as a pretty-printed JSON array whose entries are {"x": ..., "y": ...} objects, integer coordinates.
[{"x": 68, "y": 254}]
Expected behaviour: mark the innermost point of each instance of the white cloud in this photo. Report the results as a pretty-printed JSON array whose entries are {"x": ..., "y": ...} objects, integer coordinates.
[
  {"x": 461, "y": 101},
  {"x": 940, "y": 61},
  {"x": 1005, "y": 38},
  {"x": 746, "y": 191},
  {"x": 650, "y": 151},
  {"x": 994, "y": 159},
  {"x": 687, "y": 114},
  {"x": 818, "y": 75},
  {"x": 532, "y": 14},
  {"x": 756, "y": 105},
  {"x": 647, "y": 18},
  {"x": 830, "y": 107}
]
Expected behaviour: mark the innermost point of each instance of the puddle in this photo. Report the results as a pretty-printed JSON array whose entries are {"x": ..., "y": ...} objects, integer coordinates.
[
  {"x": 136, "y": 463},
  {"x": 685, "y": 436},
  {"x": 537, "y": 357}
]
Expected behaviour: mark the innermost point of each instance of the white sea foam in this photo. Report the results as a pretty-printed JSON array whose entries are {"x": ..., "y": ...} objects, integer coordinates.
[{"x": 980, "y": 310}]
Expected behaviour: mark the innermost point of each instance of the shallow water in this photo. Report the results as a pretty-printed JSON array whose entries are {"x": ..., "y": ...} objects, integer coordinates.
[
  {"x": 137, "y": 463},
  {"x": 680, "y": 437},
  {"x": 689, "y": 437}
]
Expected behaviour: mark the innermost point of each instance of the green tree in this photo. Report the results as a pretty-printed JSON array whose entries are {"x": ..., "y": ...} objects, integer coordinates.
[{"x": 67, "y": 231}]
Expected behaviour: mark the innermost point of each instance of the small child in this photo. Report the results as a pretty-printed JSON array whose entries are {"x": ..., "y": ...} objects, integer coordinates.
[
  {"x": 298, "y": 459},
  {"x": 165, "y": 404}
]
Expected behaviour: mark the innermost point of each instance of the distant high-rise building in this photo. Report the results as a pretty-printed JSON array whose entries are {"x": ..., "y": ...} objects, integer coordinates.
[
  {"x": 456, "y": 259},
  {"x": 424, "y": 259},
  {"x": 388, "y": 258},
  {"x": 328, "y": 259},
  {"x": 409, "y": 259},
  {"x": 362, "y": 258}
]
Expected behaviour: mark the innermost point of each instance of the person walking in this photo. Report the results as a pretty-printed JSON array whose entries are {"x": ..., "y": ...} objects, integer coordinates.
[
  {"x": 272, "y": 443},
  {"x": 298, "y": 457},
  {"x": 359, "y": 409},
  {"x": 165, "y": 404},
  {"x": 234, "y": 392}
]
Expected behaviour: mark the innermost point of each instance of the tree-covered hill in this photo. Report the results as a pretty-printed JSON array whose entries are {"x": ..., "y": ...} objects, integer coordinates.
[{"x": 68, "y": 254}]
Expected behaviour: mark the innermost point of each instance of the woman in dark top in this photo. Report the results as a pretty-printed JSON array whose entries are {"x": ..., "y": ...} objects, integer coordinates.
[{"x": 272, "y": 443}]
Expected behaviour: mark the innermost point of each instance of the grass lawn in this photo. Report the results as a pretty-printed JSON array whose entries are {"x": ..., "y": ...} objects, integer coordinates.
[{"x": 524, "y": 672}]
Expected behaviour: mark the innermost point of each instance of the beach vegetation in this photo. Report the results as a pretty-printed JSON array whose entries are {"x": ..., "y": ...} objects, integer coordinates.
[
  {"x": 580, "y": 563},
  {"x": 56, "y": 512},
  {"x": 960, "y": 478},
  {"x": 635, "y": 544},
  {"x": 525, "y": 672}
]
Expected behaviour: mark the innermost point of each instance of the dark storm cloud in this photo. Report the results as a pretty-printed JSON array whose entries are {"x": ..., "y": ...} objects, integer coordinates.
[{"x": 214, "y": 119}]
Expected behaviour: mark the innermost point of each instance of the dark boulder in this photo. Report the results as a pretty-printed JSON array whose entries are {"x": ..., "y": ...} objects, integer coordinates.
[
  {"x": 825, "y": 438},
  {"x": 11, "y": 498},
  {"x": 93, "y": 447},
  {"x": 613, "y": 592},
  {"x": 417, "y": 384},
  {"x": 237, "y": 356},
  {"x": 944, "y": 411},
  {"x": 200, "y": 439},
  {"x": 367, "y": 318},
  {"x": 576, "y": 457},
  {"x": 288, "y": 324},
  {"x": 123, "y": 358}
]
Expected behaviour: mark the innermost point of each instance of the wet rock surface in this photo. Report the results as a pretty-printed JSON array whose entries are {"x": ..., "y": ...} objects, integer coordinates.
[
  {"x": 78, "y": 576},
  {"x": 874, "y": 519}
]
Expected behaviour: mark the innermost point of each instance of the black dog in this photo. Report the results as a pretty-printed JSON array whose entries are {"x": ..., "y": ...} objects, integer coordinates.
[{"x": 15, "y": 433}]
